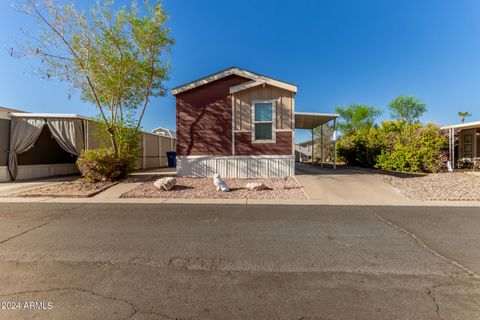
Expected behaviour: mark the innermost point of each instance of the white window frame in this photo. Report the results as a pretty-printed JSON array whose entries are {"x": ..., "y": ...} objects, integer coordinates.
[{"x": 274, "y": 122}]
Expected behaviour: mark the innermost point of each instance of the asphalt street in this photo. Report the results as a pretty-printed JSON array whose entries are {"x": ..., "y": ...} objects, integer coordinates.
[{"x": 175, "y": 261}]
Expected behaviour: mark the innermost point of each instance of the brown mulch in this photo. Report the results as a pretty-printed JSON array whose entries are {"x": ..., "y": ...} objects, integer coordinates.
[
  {"x": 203, "y": 188},
  {"x": 449, "y": 186},
  {"x": 78, "y": 188}
]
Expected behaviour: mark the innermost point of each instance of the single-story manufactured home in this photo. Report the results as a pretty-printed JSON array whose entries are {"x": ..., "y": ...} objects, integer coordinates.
[
  {"x": 304, "y": 150},
  {"x": 464, "y": 144},
  {"x": 239, "y": 124},
  {"x": 39, "y": 145}
]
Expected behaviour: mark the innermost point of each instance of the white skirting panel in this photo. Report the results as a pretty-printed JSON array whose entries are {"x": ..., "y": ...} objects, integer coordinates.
[
  {"x": 236, "y": 166},
  {"x": 4, "y": 175},
  {"x": 46, "y": 170}
]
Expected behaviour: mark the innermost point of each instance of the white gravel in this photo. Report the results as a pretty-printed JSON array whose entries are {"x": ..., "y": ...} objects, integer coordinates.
[
  {"x": 448, "y": 186},
  {"x": 202, "y": 188}
]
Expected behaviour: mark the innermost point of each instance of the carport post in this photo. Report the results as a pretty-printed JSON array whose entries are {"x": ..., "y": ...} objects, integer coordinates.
[
  {"x": 450, "y": 145},
  {"x": 313, "y": 147},
  {"x": 451, "y": 149},
  {"x": 321, "y": 145},
  {"x": 334, "y": 143}
]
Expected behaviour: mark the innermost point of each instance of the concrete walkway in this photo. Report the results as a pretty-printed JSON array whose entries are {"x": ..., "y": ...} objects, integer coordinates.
[{"x": 347, "y": 186}]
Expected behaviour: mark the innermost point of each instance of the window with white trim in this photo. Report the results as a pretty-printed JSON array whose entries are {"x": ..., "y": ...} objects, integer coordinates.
[{"x": 264, "y": 121}]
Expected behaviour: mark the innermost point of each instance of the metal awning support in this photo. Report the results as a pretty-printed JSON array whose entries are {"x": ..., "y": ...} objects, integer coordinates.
[
  {"x": 451, "y": 147},
  {"x": 313, "y": 145},
  {"x": 321, "y": 145},
  {"x": 335, "y": 143}
]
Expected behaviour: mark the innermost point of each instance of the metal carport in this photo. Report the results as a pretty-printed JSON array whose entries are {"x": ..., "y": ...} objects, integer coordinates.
[{"x": 313, "y": 120}]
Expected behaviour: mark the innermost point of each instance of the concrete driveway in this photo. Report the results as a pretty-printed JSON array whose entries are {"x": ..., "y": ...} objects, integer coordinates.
[
  {"x": 347, "y": 186},
  {"x": 12, "y": 187},
  {"x": 158, "y": 262}
]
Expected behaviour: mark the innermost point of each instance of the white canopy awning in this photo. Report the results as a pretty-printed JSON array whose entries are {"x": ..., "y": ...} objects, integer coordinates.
[
  {"x": 311, "y": 120},
  {"x": 468, "y": 125}
]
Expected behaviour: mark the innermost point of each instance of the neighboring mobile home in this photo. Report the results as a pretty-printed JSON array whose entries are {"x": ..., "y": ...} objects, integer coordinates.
[
  {"x": 304, "y": 150},
  {"x": 464, "y": 144},
  {"x": 239, "y": 124},
  {"x": 30, "y": 149}
]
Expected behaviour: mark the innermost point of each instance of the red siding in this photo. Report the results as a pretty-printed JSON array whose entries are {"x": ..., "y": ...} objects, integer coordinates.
[
  {"x": 204, "y": 118},
  {"x": 244, "y": 145}
]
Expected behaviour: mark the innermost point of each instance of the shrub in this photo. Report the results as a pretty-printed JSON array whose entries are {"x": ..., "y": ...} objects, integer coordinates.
[
  {"x": 102, "y": 164},
  {"x": 396, "y": 145},
  {"x": 359, "y": 148},
  {"x": 411, "y": 147}
]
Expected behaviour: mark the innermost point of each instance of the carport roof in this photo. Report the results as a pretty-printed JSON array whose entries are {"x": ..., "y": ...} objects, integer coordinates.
[
  {"x": 311, "y": 120},
  {"x": 47, "y": 115},
  {"x": 468, "y": 125}
]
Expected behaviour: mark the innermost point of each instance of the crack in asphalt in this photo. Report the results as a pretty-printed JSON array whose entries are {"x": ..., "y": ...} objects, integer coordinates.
[
  {"x": 163, "y": 316},
  {"x": 56, "y": 217},
  {"x": 423, "y": 245},
  {"x": 437, "y": 308},
  {"x": 134, "y": 308}
]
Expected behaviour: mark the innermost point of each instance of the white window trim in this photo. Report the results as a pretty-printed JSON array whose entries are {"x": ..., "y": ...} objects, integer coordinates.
[{"x": 274, "y": 122}]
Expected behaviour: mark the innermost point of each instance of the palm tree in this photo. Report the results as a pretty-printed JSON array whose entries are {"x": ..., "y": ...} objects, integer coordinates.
[
  {"x": 356, "y": 117},
  {"x": 463, "y": 115}
]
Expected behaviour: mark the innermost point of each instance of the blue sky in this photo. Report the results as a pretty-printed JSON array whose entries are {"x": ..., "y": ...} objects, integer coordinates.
[{"x": 337, "y": 52}]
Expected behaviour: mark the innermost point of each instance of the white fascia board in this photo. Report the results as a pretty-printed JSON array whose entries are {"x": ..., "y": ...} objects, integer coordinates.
[
  {"x": 333, "y": 115},
  {"x": 258, "y": 82},
  {"x": 49, "y": 115},
  {"x": 267, "y": 80},
  {"x": 4, "y": 115},
  {"x": 245, "y": 86},
  {"x": 468, "y": 125},
  {"x": 279, "y": 84},
  {"x": 234, "y": 71},
  {"x": 203, "y": 81},
  {"x": 61, "y": 116}
]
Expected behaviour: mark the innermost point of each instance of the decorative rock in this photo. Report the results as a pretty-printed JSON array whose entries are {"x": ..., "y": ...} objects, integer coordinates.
[
  {"x": 255, "y": 186},
  {"x": 166, "y": 183},
  {"x": 220, "y": 184}
]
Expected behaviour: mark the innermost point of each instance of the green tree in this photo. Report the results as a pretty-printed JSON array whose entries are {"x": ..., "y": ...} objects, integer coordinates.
[
  {"x": 463, "y": 115},
  {"x": 324, "y": 141},
  {"x": 114, "y": 56},
  {"x": 356, "y": 117},
  {"x": 407, "y": 108}
]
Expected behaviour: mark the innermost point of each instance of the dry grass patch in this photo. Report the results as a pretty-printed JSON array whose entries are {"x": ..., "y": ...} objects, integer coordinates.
[{"x": 203, "y": 188}]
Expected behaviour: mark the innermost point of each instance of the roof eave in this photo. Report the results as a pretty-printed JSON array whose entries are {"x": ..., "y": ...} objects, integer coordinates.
[
  {"x": 468, "y": 125},
  {"x": 233, "y": 71}
]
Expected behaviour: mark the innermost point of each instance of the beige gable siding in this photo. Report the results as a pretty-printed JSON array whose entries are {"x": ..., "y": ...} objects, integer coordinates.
[{"x": 242, "y": 102}]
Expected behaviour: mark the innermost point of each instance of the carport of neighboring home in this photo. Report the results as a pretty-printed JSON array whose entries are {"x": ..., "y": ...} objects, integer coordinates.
[
  {"x": 464, "y": 144},
  {"x": 40, "y": 145}
]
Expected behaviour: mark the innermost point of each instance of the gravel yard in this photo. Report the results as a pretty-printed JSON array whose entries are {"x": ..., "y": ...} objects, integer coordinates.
[
  {"x": 439, "y": 186},
  {"x": 77, "y": 188},
  {"x": 202, "y": 188}
]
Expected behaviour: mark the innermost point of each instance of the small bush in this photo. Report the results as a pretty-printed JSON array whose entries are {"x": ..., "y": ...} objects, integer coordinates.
[{"x": 102, "y": 165}]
